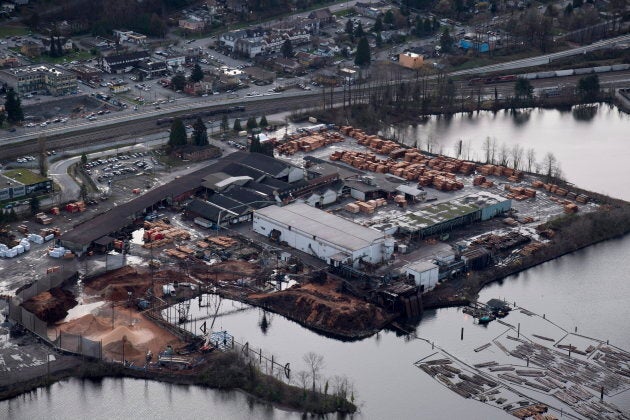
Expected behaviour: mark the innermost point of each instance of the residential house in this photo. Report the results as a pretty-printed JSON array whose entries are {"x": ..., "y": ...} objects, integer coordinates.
[
  {"x": 228, "y": 39},
  {"x": 237, "y": 6},
  {"x": 287, "y": 65},
  {"x": 192, "y": 24},
  {"x": 130, "y": 36},
  {"x": 372, "y": 10},
  {"x": 324, "y": 16},
  {"x": 32, "y": 49},
  {"x": 249, "y": 47}
]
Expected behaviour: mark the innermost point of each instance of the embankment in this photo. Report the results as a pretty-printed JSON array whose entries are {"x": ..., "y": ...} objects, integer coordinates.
[
  {"x": 321, "y": 306},
  {"x": 224, "y": 371}
]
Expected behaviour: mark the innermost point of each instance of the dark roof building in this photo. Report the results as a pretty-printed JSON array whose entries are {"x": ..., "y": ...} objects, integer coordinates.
[{"x": 116, "y": 63}]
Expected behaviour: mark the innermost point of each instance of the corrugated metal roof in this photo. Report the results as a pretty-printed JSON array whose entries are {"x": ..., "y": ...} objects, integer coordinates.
[{"x": 321, "y": 225}]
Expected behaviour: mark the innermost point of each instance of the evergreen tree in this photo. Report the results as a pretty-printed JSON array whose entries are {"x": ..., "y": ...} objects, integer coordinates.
[
  {"x": 349, "y": 27},
  {"x": 378, "y": 25},
  {"x": 197, "y": 74},
  {"x": 237, "y": 125},
  {"x": 3, "y": 118},
  {"x": 363, "y": 55},
  {"x": 200, "y": 133},
  {"x": 177, "y": 138},
  {"x": 59, "y": 47},
  {"x": 263, "y": 122},
  {"x": 34, "y": 203},
  {"x": 287, "y": 49},
  {"x": 389, "y": 18},
  {"x": 13, "y": 107},
  {"x": 84, "y": 159},
  {"x": 358, "y": 31},
  {"x": 379, "y": 40},
  {"x": 225, "y": 124},
  {"x": 251, "y": 123},
  {"x": 523, "y": 88},
  {"x": 178, "y": 82},
  {"x": 588, "y": 87},
  {"x": 255, "y": 146},
  {"x": 446, "y": 41},
  {"x": 53, "y": 47}
]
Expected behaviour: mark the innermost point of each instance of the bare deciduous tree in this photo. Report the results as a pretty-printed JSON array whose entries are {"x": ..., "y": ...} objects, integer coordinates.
[
  {"x": 487, "y": 147},
  {"x": 531, "y": 159},
  {"x": 517, "y": 156},
  {"x": 315, "y": 363},
  {"x": 504, "y": 155}
]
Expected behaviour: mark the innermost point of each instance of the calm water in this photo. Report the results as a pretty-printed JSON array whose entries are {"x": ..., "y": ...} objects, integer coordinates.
[{"x": 588, "y": 289}]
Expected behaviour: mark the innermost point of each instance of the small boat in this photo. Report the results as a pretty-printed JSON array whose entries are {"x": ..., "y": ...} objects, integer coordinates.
[{"x": 485, "y": 319}]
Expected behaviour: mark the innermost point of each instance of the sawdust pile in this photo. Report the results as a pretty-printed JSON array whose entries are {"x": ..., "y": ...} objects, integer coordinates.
[
  {"x": 51, "y": 306},
  {"x": 323, "y": 307}
]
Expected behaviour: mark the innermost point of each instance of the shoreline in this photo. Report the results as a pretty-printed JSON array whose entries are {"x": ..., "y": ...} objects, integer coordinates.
[{"x": 98, "y": 370}]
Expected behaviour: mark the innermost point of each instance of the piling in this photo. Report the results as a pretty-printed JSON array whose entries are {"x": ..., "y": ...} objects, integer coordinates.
[
  {"x": 601, "y": 397},
  {"x": 462, "y": 335},
  {"x": 518, "y": 331}
]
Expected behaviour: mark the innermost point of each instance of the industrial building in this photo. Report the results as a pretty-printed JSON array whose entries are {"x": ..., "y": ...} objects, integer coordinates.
[
  {"x": 424, "y": 273},
  {"x": 443, "y": 217},
  {"x": 15, "y": 189},
  {"x": 326, "y": 236},
  {"x": 41, "y": 79}
]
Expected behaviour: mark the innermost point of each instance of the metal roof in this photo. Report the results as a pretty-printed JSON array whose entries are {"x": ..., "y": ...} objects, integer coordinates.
[
  {"x": 420, "y": 266},
  {"x": 322, "y": 225}
]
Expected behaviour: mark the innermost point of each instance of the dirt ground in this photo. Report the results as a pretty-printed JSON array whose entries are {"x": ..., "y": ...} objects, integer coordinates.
[
  {"x": 138, "y": 332},
  {"x": 324, "y": 307},
  {"x": 226, "y": 271}
]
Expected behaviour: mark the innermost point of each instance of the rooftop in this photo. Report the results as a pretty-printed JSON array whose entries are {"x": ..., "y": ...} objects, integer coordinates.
[
  {"x": 420, "y": 266},
  {"x": 322, "y": 225},
  {"x": 434, "y": 214}
]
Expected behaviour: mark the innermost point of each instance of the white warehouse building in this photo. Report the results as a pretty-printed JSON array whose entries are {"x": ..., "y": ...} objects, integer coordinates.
[
  {"x": 324, "y": 235},
  {"x": 424, "y": 273}
]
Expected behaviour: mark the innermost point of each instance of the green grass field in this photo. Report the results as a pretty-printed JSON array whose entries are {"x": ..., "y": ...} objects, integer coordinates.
[
  {"x": 24, "y": 176},
  {"x": 7, "y": 31}
]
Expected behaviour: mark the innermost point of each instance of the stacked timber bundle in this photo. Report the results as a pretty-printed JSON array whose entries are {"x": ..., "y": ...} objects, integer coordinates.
[
  {"x": 157, "y": 231},
  {"x": 570, "y": 208},
  {"x": 400, "y": 201},
  {"x": 365, "y": 207},
  {"x": 222, "y": 241},
  {"x": 411, "y": 168},
  {"x": 520, "y": 193},
  {"x": 308, "y": 142},
  {"x": 562, "y": 192},
  {"x": 352, "y": 208}
]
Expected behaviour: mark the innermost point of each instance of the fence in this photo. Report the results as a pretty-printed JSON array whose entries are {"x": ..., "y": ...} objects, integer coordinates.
[
  {"x": 70, "y": 343},
  {"x": 225, "y": 342}
]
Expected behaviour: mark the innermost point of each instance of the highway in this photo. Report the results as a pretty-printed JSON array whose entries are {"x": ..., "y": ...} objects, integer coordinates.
[{"x": 125, "y": 129}]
